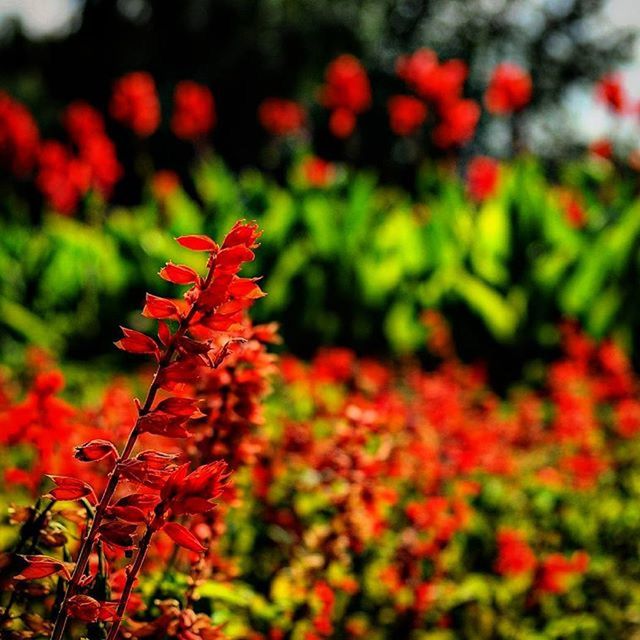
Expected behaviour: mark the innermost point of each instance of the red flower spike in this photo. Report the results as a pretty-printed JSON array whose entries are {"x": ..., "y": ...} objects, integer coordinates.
[
  {"x": 183, "y": 537},
  {"x": 95, "y": 450},
  {"x": 69, "y": 489},
  {"x": 83, "y": 607},
  {"x": 136, "y": 342},
  {"x": 178, "y": 274},
  {"x": 37, "y": 567},
  {"x": 198, "y": 243}
]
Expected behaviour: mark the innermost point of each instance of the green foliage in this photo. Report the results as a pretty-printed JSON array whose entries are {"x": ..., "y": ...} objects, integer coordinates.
[{"x": 352, "y": 263}]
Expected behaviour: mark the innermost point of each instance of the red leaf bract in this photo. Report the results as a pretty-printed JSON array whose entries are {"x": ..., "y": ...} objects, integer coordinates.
[
  {"x": 69, "y": 488},
  {"x": 136, "y": 342},
  {"x": 41, "y": 567},
  {"x": 198, "y": 243},
  {"x": 95, "y": 450},
  {"x": 178, "y": 273},
  {"x": 159, "y": 308},
  {"x": 183, "y": 537}
]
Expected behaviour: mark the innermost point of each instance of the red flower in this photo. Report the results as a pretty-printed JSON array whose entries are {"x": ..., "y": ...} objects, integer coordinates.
[
  {"x": 611, "y": 92},
  {"x": 19, "y": 137},
  {"x": 556, "y": 571},
  {"x": 99, "y": 154},
  {"x": 82, "y": 121},
  {"x": 603, "y": 148},
  {"x": 514, "y": 554},
  {"x": 195, "y": 492},
  {"x": 342, "y": 123},
  {"x": 134, "y": 103},
  {"x": 62, "y": 179},
  {"x": 483, "y": 175},
  {"x": 346, "y": 85},
  {"x": 627, "y": 414},
  {"x": 406, "y": 114},
  {"x": 574, "y": 212},
  {"x": 509, "y": 90},
  {"x": 194, "y": 114},
  {"x": 418, "y": 71},
  {"x": 164, "y": 184},
  {"x": 281, "y": 117},
  {"x": 318, "y": 172},
  {"x": 458, "y": 125}
]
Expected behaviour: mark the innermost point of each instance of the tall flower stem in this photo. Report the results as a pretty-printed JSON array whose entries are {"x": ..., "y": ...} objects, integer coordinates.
[
  {"x": 132, "y": 573},
  {"x": 114, "y": 477}
]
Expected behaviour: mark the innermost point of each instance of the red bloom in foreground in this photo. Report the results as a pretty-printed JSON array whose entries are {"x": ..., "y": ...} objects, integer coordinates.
[
  {"x": 346, "y": 85},
  {"x": 280, "y": 117},
  {"x": 406, "y": 114},
  {"x": 509, "y": 90},
  {"x": 483, "y": 175},
  {"x": 611, "y": 92},
  {"x": 194, "y": 114},
  {"x": 19, "y": 136},
  {"x": 458, "y": 125},
  {"x": 514, "y": 554},
  {"x": 134, "y": 103}
]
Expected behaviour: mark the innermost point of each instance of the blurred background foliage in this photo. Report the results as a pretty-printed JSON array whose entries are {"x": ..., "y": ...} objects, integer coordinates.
[{"x": 353, "y": 263}]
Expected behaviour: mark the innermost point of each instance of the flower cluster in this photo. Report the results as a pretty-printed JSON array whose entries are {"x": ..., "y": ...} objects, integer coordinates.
[
  {"x": 131, "y": 496},
  {"x": 281, "y": 117},
  {"x": 365, "y": 500},
  {"x": 346, "y": 92}
]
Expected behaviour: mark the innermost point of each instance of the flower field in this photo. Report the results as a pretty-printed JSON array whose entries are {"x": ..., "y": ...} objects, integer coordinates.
[{"x": 311, "y": 398}]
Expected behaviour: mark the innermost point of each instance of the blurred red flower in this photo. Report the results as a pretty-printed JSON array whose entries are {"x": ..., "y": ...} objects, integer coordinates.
[
  {"x": 611, "y": 92},
  {"x": 62, "y": 179},
  {"x": 483, "y": 175},
  {"x": 346, "y": 85},
  {"x": 515, "y": 557},
  {"x": 318, "y": 172},
  {"x": 135, "y": 104},
  {"x": 164, "y": 183},
  {"x": 19, "y": 137},
  {"x": 556, "y": 571},
  {"x": 509, "y": 90},
  {"x": 458, "y": 125},
  {"x": 342, "y": 123},
  {"x": 194, "y": 114},
  {"x": 406, "y": 114},
  {"x": 280, "y": 117},
  {"x": 418, "y": 71},
  {"x": 603, "y": 148},
  {"x": 82, "y": 121}
]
